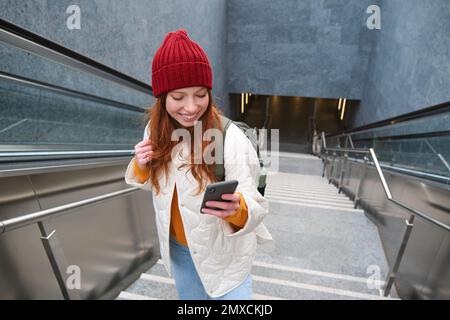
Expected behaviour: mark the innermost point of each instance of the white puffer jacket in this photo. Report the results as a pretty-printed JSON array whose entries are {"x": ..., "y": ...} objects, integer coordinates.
[{"x": 223, "y": 258}]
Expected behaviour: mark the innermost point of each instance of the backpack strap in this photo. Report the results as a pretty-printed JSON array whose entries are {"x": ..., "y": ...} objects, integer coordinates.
[{"x": 220, "y": 168}]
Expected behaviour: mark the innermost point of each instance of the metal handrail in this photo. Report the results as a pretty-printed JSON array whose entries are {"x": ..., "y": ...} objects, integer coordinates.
[
  {"x": 387, "y": 189},
  {"x": 348, "y": 150},
  {"x": 409, "y": 223},
  {"x": 70, "y": 152},
  {"x": 49, "y": 240},
  {"x": 69, "y": 92},
  {"x": 49, "y": 155},
  {"x": 420, "y": 113},
  {"x": 22, "y": 221},
  {"x": 324, "y": 142},
  {"x": 442, "y": 179},
  {"x": 389, "y": 196},
  {"x": 416, "y": 173},
  {"x": 24, "y": 39},
  {"x": 351, "y": 141}
]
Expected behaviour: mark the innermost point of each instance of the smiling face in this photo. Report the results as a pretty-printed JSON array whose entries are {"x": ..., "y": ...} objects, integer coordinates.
[{"x": 187, "y": 105}]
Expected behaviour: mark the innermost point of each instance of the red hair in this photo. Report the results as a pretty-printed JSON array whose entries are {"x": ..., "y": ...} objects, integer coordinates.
[{"x": 160, "y": 132}]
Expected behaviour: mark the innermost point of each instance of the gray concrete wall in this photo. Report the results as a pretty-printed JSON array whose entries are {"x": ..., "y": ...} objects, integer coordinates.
[
  {"x": 311, "y": 48},
  {"x": 410, "y": 63},
  {"x": 125, "y": 34},
  {"x": 121, "y": 34}
]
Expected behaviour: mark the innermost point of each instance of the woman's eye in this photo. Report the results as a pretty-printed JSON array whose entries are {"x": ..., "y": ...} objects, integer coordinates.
[
  {"x": 202, "y": 96},
  {"x": 178, "y": 99}
]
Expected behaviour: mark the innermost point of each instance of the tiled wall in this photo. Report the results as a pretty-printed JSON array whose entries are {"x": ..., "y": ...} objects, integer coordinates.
[
  {"x": 311, "y": 48},
  {"x": 410, "y": 63},
  {"x": 121, "y": 34}
]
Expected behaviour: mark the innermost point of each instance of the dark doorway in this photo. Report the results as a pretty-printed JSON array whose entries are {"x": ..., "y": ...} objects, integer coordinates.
[{"x": 296, "y": 117}]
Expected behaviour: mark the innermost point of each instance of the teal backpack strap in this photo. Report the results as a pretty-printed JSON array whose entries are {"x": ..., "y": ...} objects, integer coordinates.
[{"x": 220, "y": 168}]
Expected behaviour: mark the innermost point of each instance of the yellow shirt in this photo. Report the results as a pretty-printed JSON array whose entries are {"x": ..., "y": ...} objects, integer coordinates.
[{"x": 237, "y": 219}]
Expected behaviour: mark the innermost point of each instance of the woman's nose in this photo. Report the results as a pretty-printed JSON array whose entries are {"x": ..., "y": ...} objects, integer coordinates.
[{"x": 190, "y": 106}]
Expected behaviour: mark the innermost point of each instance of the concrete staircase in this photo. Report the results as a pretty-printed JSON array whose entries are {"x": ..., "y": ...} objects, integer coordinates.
[{"x": 323, "y": 248}]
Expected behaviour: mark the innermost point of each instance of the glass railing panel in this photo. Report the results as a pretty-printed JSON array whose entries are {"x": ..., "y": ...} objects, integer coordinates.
[
  {"x": 421, "y": 144},
  {"x": 35, "y": 116},
  {"x": 18, "y": 62},
  {"x": 426, "y": 125}
]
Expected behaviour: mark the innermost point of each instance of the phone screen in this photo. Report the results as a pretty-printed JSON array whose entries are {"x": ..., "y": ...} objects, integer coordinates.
[{"x": 215, "y": 191}]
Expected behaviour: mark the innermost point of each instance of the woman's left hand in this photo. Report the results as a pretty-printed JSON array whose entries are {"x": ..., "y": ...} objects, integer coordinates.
[{"x": 228, "y": 207}]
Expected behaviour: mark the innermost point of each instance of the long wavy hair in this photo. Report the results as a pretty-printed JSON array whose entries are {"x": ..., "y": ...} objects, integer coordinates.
[{"x": 160, "y": 132}]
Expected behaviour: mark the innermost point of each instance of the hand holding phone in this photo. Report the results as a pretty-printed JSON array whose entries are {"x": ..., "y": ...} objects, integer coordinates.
[{"x": 220, "y": 200}]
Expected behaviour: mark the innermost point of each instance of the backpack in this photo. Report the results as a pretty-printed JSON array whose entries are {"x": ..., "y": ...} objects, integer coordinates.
[{"x": 252, "y": 136}]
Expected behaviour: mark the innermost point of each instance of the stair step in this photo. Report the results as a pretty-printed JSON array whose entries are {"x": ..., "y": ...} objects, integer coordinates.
[
  {"x": 317, "y": 279},
  {"x": 318, "y": 250},
  {"x": 124, "y": 295},
  {"x": 159, "y": 270},
  {"x": 154, "y": 287},
  {"x": 268, "y": 277},
  {"x": 300, "y": 193},
  {"x": 299, "y": 291},
  {"x": 348, "y": 205},
  {"x": 157, "y": 287},
  {"x": 297, "y": 203},
  {"x": 300, "y": 182},
  {"x": 260, "y": 284},
  {"x": 293, "y": 269},
  {"x": 328, "y": 196},
  {"x": 319, "y": 215}
]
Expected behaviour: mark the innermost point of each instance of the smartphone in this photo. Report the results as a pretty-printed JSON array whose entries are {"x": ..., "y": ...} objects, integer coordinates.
[{"x": 214, "y": 192}]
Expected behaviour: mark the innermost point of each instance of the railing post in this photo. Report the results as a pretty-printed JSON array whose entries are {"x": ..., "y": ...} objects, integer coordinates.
[
  {"x": 57, "y": 260},
  {"x": 358, "y": 187},
  {"x": 325, "y": 160},
  {"x": 380, "y": 174},
  {"x": 324, "y": 141},
  {"x": 351, "y": 141},
  {"x": 341, "y": 176},
  {"x": 409, "y": 223},
  {"x": 398, "y": 258},
  {"x": 52, "y": 247},
  {"x": 330, "y": 174},
  {"x": 325, "y": 151}
]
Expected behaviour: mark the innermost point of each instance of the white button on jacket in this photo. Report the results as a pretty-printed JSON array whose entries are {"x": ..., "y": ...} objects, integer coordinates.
[{"x": 223, "y": 257}]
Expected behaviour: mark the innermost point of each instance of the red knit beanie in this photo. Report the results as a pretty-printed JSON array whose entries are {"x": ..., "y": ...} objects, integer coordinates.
[{"x": 179, "y": 63}]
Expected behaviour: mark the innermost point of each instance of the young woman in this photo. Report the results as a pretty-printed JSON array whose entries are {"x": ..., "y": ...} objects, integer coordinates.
[{"x": 209, "y": 253}]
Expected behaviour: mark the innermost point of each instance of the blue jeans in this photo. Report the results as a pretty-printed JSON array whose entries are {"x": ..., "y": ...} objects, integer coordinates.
[{"x": 188, "y": 282}]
